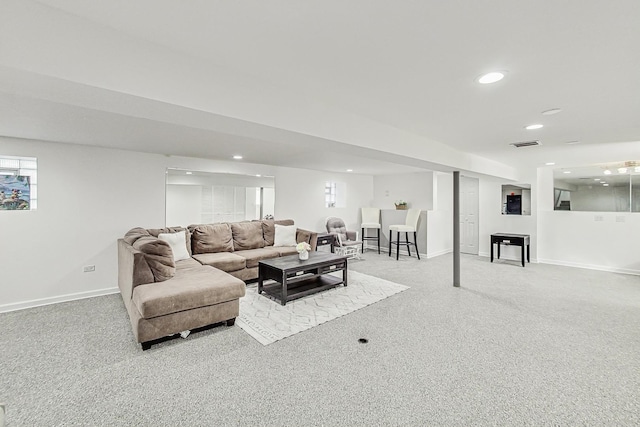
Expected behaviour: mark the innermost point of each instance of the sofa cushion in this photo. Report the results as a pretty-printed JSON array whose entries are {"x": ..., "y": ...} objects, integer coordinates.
[
  {"x": 252, "y": 256},
  {"x": 134, "y": 234},
  {"x": 303, "y": 235},
  {"x": 247, "y": 235},
  {"x": 187, "y": 264},
  {"x": 269, "y": 230},
  {"x": 189, "y": 289},
  {"x": 178, "y": 243},
  {"x": 287, "y": 250},
  {"x": 158, "y": 255},
  {"x": 285, "y": 235},
  {"x": 225, "y": 261},
  {"x": 211, "y": 238},
  {"x": 155, "y": 232}
]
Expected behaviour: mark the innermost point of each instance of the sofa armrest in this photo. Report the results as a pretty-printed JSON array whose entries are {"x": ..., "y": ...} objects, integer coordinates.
[
  {"x": 311, "y": 237},
  {"x": 352, "y": 235},
  {"x": 133, "y": 269}
]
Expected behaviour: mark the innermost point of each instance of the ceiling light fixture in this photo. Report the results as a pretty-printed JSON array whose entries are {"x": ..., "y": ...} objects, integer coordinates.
[
  {"x": 189, "y": 173},
  {"x": 349, "y": 170},
  {"x": 605, "y": 185},
  {"x": 551, "y": 112},
  {"x": 549, "y": 164},
  {"x": 607, "y": 172},
  {"x": 622, "y": 170},
  {"x": 572, "y": 142},
  {"x": 237, "y": 157},
  {"x": 566, "y": 172},
  {"x": 533, "y": 127},
  {"x": 258, "y": 175},
  {"x": 596, "y": 179},
  {"x": 492, "y": 77}
]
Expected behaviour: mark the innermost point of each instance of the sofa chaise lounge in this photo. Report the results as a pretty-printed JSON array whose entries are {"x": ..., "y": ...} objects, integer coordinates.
[{"x": 177, "y": 279}]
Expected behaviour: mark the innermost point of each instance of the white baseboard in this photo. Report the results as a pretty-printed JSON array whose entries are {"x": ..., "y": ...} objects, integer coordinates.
[
  {"x": 5, "y": 308},
  {"x": 591, "y": 267},
  {"x": 508, "y": 258},
  {"x": 385, "y": 250},
  {"x": 438, "y": 253}
]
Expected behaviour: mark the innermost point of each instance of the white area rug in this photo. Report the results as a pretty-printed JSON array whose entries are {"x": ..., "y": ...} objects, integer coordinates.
[{"x": 267, "y": 321}]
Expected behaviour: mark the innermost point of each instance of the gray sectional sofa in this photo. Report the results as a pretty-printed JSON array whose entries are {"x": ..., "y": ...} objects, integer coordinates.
[{"x": 165, "y": 296}]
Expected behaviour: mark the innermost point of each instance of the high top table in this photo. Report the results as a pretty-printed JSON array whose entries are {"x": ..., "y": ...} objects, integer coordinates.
[{"x": 511, "y": 239}]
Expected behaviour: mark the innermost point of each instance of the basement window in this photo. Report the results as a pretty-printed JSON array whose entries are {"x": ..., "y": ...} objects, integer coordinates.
[{"x": 18, "y": 183}]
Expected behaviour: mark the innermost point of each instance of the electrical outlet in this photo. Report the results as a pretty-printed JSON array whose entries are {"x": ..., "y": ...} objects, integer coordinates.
[{"x": 89, "y": 268}]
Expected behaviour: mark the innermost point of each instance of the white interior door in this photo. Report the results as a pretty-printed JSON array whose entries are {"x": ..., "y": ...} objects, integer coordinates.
[{"x": 469, "y": 227}]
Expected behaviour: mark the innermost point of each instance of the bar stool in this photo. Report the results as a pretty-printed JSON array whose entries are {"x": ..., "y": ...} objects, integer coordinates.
[
  {"x": 370, "y": 219},
  {"x": 410, "y": 225}
]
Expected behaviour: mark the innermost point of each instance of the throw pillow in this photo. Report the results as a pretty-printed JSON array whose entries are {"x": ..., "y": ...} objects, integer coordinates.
[
  {"x": 178, "y": 243},
  {"x": 285, "y": 235},
  {"x": 158, "y": 255}
]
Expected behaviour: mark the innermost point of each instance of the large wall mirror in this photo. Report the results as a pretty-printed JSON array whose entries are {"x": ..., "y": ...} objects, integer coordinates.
[
  {"x": 194, "y": 197},
  {"x": 516, "y": 199},
  {"x": 598, "y": 188}
]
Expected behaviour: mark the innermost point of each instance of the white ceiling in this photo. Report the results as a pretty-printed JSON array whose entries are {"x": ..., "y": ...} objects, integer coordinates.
[{"x": 410, "y": 65}]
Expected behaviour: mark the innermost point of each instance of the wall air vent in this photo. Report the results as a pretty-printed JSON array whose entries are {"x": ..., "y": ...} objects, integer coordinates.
[{"x": 525, "y": 143}]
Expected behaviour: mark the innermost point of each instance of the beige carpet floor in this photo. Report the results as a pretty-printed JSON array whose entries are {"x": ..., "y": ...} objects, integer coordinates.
[{"x": 268, "y": 321}]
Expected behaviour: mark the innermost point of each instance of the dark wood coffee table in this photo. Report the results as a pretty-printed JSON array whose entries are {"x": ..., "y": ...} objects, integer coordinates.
[{"x": 295, "y": 278}]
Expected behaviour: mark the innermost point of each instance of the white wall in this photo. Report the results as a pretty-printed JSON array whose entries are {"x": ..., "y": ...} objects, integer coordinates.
[
  {"x": 88, "y": 197},
  {"x": 300, "y": 196},
  {"x": 440, "y": 218},
  {"x": 599, "y": 198},
  {"x": 414, "y": 188},
  {"x": 598, "y": 240},
  {"x": 184, "y": 204}
]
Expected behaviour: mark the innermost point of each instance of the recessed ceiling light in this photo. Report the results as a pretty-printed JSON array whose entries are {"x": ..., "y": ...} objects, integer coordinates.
[
  {"x": 596, "y": 179},
  {"x": 572, "y": 142},
  {"x": 605, "y": 185},
  {"x": 492, "y": 77},
  {"x": 607, "y": 172},
  {"x": 258, "y": 175},
  {"x": 349, "y": 170},
  {"x": 551, "y": 112},
  {"x": 566, "y": 172},
  {"x": 237, "y": 157},
  {"x": 549, "y": 163},
  {"x": 535, "y": 126},
  {"x": 189, "y": 173}
]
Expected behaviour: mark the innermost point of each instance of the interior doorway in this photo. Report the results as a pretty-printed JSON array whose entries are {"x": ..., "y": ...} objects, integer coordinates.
[{"x": 469, "y": 227}]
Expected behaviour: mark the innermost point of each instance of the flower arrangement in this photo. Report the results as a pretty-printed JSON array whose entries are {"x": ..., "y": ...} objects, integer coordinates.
[
  {"x": 303, "y": 247},
  {"x": 401, "y": 204}
]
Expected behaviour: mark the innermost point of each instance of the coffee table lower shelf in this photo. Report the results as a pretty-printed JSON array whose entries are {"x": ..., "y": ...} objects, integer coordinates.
[{"x": 301, "y": 288}]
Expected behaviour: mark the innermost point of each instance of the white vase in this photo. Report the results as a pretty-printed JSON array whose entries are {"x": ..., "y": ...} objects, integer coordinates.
[{"x": 304, "y": 255}]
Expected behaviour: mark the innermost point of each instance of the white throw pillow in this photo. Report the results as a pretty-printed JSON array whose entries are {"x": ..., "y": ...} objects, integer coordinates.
[
  {"x": 178, "y": 243},
  {"x": 285, "y": 235}
]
